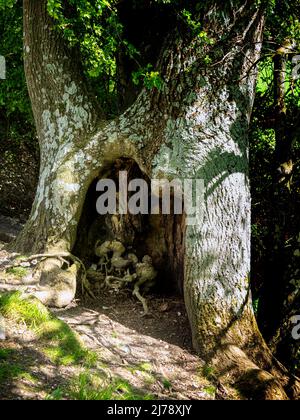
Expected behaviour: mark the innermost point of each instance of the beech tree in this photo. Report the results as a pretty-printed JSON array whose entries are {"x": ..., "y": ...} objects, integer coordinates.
[{"x": 191, "y": 122}]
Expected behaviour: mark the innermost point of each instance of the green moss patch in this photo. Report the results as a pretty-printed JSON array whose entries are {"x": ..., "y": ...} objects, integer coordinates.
[{"x": 60, "y": 343}]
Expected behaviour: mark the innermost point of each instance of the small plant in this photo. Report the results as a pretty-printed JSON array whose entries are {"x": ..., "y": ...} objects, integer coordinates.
[
  {"x": 88, "y": 387},
  {"x": 208, "y": 372},
  {"x": 256, "y": 306},
  {"x": 56, "y": 395},
  {"x": 149, "y": 379},
  {"x": 167, "y": 384},
  {"x": 146, "y": 367},
  {"x": 210, "y": 390},
  {"x": 114, "y": 334},
  {"x": 21, "y": 258},
  {"x": 150, "y": 78},
  {"x": 4, "y": 354}
]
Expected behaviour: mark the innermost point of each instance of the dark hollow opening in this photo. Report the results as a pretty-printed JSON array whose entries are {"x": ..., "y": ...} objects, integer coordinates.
[{"x": 158, "y": 236}]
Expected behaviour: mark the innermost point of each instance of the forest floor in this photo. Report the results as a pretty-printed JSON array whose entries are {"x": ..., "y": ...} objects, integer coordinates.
[{"x": 102, "y": 349}]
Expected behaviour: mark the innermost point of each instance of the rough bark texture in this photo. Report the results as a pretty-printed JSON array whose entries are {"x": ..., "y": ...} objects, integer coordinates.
[
  {"x": 65, "y": 114},
  {"x": 196, "y": 127}
]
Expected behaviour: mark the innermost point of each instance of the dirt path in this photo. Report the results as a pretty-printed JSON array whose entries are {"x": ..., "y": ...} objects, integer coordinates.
[{"x": 152, "y": 353}]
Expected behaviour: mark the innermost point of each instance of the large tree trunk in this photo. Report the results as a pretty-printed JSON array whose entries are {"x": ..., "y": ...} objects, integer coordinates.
[{"x": 196, "y": 128}]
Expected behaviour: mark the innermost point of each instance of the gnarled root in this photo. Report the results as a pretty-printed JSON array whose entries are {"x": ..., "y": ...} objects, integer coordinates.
[
  {"x": 50, "y": 283},
  {"x": 137, "y": 294},
  {"x": 251, "y": 381},
  {"x": 260, "y": 377},
  {"x": 57, "y": 287}
]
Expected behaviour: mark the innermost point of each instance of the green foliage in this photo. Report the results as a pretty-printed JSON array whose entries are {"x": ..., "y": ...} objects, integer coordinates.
[
  {"x": 145, "y": 366},
  {"x": 4, "y": 4},
  {"x": 265, "y": 75},
  {"x": 17, "y": 130},
  {"x": 210, "y": 390},
  {"x": 13, "y": 92},
  {"x": 63, "y": 346},
  {"x": 283, "y": 20},
  {"x": 150, "y": 78},
  {"x": 167, "y": 384},
  {"x": 87, "y": 388},
  {"x": 94, "y": 27},
  {"x": 12, "y": 367},
  {"x": 256, "y": 306},
  {"x": 194, "y": 25},
  {"x": 9, "y": 371},
  {"x": 208, "y": 372},
  {"x": 5, "y": 353}
]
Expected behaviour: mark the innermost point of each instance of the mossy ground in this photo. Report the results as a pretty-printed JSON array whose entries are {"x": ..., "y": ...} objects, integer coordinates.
[{"x": 59, "y": 342}]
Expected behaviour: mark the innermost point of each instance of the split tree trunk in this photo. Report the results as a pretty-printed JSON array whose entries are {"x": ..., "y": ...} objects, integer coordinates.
[{"x": 196, "y": 128}]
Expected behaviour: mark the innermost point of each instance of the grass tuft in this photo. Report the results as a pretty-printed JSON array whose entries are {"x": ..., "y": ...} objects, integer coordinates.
[
  {"x": 18, "y": 272},
  {"x": 210, "y": 390},
  {"x": 88, "y": 387},
  {"x": 208, "y": 372},
  {"x": 62, "y": 345},
  {"x": 10, "y": 370},
  {"x": 26, "y": 310},
  {"x": 5, "y": 354}
]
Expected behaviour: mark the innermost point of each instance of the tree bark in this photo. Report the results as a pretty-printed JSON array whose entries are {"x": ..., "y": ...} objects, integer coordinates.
[
  {"x": 65, "y": 113},
  {"x": 196, "y": 127}
]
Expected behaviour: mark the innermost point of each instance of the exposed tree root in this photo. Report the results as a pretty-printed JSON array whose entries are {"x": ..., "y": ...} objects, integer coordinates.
[
  {"x": 233, "y": 366},
  {"x": 136, "y": 292},
  {"x": 50, "y": 283},
  {"x": 257, "y": 376}
]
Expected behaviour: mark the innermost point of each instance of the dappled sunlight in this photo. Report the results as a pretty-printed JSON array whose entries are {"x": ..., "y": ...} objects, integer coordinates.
[{"x": 147, "y": 352}]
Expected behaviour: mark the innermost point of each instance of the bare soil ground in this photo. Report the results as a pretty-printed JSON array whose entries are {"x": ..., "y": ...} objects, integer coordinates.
[{"x": 153, "y": 353}]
